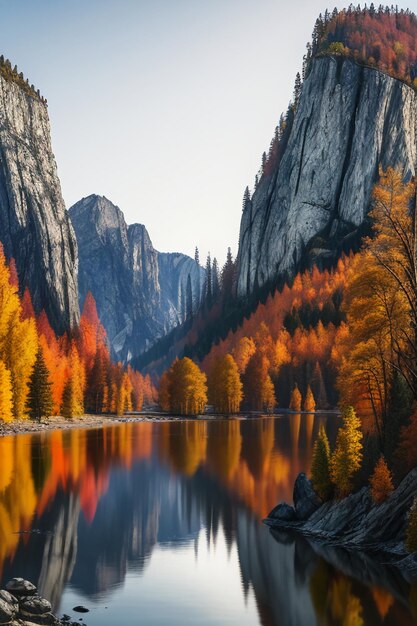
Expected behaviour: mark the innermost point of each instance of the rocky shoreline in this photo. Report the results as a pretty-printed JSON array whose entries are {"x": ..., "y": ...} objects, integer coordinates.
[
  {"x": 87, "y": 421},
  {"x": 20, "y": 605},
  {"x": 355, "y": 523}
]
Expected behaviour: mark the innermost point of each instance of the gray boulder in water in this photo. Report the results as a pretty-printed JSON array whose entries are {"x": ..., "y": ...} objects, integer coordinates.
[
  {"x": 306, "y": 501},
  {"x": 284, "y": 512}
]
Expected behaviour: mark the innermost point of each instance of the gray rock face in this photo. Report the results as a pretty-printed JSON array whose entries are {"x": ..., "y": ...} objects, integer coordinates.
[
  {"x": 349, "y": 121},
  {"x": 357, "y": 523},
  {"x": 306, "y": 501},
  {"x": 140, "y": 293},
  {"x": 34, "y": 226}
]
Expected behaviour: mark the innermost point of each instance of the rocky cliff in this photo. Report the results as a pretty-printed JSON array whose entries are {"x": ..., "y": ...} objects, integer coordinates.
[
  {"x": 34, "y": 227},
  {"x": 140, "y": 293},
  {"x": 350, "y": 119}
]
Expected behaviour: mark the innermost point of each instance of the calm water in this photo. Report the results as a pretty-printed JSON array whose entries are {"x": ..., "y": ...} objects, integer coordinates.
[{"x": 160, "y": 523}]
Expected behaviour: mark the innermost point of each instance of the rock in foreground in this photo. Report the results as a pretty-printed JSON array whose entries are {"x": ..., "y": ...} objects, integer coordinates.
[
  {"x": 20, "y": 605},
  {"x": 356, "y": 522}
]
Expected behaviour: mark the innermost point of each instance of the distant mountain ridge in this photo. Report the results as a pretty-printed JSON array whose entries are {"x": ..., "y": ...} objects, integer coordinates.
[{"x": 140, "y": 293}]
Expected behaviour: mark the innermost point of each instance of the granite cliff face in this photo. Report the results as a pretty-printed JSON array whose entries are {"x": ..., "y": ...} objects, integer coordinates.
[
  {"x": 140, "y": 292},
  {"x": 350, "y": 120},
  {"x": 34, "y": 226}
]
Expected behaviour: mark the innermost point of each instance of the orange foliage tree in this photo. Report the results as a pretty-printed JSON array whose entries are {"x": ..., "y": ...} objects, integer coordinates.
[{"x": 381, "y": 482}]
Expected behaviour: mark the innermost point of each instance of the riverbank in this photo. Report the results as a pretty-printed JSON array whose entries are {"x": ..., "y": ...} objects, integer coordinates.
[
  {"x": 355, "y": 523},
  {"x": 86, "y": 421},
  {"x": 96, "y": 421}
]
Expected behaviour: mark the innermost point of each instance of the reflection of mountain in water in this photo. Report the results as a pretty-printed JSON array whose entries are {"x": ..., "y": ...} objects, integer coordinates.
[{"x": 104, "y": 499}]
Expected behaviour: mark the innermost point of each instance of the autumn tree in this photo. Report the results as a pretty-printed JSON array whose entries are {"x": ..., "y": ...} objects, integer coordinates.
[
  {"x": 381, "y": 307},
  {"x": 40, "y": 401},
  {"x": 257, "y": 384},
  {"x": 242, "y": 353},
  {"x": 347, "y": 456},
  {"x": 320, "y": 466},
  {"x": 381, "y": 482},
  {"x": 6, "y": 404},
  {"x": 186, "y": 387},
  {"x": 225, "y": 386},
  {"x": 296, "y": 399},
  {"x": 73, "y": 396},
  {"x": 309, "y": 402}
]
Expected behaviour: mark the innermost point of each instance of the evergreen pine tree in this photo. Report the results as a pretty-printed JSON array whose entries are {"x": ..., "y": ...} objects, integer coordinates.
[
  {"x": 246, "y": 199},
  {"x": 189, "y": 299},
  {"x": 320, "y": 466},
  {"x": 208, "y": 293},
  {"x": 399, "y": 410},
  {"x": 40, "y": 403},
  {"x": 297, "y": 89},
  {"x": 215, "y": 279}
]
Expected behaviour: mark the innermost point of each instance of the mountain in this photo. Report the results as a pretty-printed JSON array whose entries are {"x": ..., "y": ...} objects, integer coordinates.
[
  {"x": 140, "y": 293},
  {"x": 313, "y": 200},
  {"x": 34, "y": 226}
]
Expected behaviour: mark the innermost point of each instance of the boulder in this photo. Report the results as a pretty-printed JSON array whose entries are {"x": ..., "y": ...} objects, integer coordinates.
[
  {"x": 284, "y": 512},
  {"x": 7, "y": 597},
  {"x": 34, "y": 606},
  {"x": 306, "y": 501},
  {"x": 7, "y": 612},
  {"x": 20, "y": 587}
]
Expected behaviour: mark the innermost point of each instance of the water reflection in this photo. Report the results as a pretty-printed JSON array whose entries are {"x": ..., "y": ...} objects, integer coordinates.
[{"x": 100, "y": 516}]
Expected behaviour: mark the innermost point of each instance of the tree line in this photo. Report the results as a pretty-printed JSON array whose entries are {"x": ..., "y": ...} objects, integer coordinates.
[{"x": 43, "y": 375}]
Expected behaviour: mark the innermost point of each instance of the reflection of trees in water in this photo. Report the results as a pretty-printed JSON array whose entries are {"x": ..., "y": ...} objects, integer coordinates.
[{"x": 110, "y": 495}]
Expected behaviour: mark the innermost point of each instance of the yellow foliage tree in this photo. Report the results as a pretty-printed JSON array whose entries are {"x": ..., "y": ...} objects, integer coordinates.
[
  {"x": 309, "y": 401},
  {"x": 381, "y": 482},
  {"x": 225, "y": 386},
  {"x": 381, "y": 304},
  {"x": 6, "y": 403},
  {"x": 347, "y": 456},
  {"x": 21, "y": 347},
  {"x": 187, "y": 387}
]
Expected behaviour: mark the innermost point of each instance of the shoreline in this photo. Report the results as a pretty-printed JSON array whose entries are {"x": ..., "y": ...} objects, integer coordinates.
[
  {"x": 355, "y": 524},
  {"x": 27, "y": 426}
]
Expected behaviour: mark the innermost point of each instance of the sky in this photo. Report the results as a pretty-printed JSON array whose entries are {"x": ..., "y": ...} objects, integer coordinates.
[{"x": 163, "y": 106}]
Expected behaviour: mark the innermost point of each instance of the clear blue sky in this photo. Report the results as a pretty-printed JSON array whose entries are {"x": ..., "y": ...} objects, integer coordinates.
[{"x": 163, "y": 106}]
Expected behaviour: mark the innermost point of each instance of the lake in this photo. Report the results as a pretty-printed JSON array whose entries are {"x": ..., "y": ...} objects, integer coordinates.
[{"x": 160, "y": 523}]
